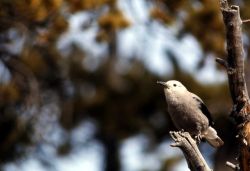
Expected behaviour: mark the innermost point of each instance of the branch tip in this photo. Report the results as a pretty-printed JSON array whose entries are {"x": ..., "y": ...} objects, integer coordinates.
[
  {"x": 233, "y": 166},
  {"x": 246, "y": 21},
  {"x": 235, "y": 7},
  {"x": 222, "y": 62},
  {"x": 176, "y": 144},
  {"x": 224, "y": 4}
]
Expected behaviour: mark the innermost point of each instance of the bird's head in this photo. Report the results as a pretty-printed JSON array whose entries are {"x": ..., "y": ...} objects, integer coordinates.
[{"x": 172, "y": 86}]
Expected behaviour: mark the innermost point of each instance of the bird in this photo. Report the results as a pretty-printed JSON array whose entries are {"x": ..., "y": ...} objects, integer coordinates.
[{"x": 189, "y": 113}]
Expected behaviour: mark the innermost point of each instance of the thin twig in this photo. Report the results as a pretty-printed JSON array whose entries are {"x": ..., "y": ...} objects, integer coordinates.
[
  {"x": 233, "y": 166},
  {"x": 222, "y": 62},
  {"x": 246, "y": 21}
]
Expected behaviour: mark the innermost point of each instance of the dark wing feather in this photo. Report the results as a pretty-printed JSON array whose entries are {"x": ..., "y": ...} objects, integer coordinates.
[{"x": 204, "y": 109}]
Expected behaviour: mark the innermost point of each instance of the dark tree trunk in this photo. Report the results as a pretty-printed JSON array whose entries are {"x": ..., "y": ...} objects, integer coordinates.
[
  {"x": 236, "y": 79},
  {"x": 111, "y": 154}
]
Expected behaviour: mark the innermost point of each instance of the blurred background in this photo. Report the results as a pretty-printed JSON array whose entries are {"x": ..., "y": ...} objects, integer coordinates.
[{"x": 78, "y": 79}]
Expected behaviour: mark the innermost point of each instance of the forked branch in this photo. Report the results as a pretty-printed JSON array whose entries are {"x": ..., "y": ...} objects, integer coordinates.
[{"x": 187, "y": 144}]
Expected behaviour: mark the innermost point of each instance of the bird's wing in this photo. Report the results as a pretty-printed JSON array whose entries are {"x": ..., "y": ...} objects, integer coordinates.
[{"x": 203, "y": 108}]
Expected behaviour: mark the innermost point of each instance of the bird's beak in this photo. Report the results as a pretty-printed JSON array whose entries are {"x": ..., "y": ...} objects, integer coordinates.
[{"x": 162, "y": 83}]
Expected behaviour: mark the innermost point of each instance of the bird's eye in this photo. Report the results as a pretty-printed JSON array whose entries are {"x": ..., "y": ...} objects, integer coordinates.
[{"x": 174, "y": 85}]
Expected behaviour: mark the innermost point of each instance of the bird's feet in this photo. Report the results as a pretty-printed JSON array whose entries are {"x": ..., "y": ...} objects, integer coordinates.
[
  {"x": 182, "y": 130},
  {"x": 198, "y": 138}
]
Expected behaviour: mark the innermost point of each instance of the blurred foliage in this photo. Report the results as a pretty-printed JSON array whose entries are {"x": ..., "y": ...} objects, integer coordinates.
[{"x": 122, "y": 104}]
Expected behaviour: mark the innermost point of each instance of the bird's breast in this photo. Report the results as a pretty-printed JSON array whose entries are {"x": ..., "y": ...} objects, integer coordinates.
[{"x": 187, "y": 116}]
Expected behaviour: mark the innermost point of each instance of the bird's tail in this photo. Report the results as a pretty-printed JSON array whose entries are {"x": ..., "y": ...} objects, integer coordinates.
[{"x": 212, "y": 138}]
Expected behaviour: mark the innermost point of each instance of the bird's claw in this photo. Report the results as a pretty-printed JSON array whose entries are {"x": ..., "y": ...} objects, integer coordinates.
[
  {"x": 181, "y": 131},
  {"x": 198, "y": 138}
]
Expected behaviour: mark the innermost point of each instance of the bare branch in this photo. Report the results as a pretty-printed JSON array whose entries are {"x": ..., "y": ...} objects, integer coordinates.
[
  {"x": 222, "y": 62},
  {"x": 187, "y": 144},
  {"x": 233, "y": 166},
  {"x": 224, "y": 4},
  {"x": 246, "y": 21}
]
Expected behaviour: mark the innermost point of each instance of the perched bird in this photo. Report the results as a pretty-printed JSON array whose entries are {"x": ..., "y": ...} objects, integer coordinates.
[{"x": 189, "y": 113}]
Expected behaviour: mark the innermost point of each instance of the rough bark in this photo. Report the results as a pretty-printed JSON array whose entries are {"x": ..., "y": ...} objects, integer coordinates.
[
  {"x": 236, "y": 79},
  {"x": 187, "y": 144}
]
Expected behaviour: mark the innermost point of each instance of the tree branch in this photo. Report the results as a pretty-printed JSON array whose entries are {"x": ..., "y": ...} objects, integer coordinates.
[
  {"x": 233, "y": 166},
  {"x": 236, "y": 80},
  {"x": 187, "y": 144},
  {"x": 222, "y": 62}
]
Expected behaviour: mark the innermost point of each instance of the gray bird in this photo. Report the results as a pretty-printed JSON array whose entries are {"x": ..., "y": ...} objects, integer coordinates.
[{"x": 189, "y": 113}]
